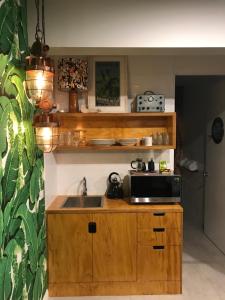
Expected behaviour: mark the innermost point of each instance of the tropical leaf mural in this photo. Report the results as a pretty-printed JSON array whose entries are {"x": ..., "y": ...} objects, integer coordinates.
[{"x": 22, "y": 226}]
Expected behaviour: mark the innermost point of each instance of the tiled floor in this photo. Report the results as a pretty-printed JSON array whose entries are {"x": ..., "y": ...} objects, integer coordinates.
[{"x": 203, "y": 272}]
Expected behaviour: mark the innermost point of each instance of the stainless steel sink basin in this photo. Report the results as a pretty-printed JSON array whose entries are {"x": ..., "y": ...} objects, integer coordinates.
[{"x": 83, "y": 201}]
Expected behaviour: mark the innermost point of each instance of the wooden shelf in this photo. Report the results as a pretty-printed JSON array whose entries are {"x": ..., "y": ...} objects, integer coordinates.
[
  {"x": 112, "y": 148},
  {"x": 117, "y": 126}
]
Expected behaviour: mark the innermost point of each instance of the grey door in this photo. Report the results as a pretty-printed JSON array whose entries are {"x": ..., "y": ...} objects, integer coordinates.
[{"x": 214, "y": 216}]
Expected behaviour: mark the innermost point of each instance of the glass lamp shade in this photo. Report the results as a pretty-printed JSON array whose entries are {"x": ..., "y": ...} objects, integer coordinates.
[
  {"x": 39, "y": 78},
  {"x": 47, "y": 136},
  {"x": 39, "y": 85}
]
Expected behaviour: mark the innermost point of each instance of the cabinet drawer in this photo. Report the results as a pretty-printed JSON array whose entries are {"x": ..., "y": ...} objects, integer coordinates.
[
  {"x": 159, "y": 236},
  {"x": 159, "y": 219},
  {"x": 161, "y": 262}
]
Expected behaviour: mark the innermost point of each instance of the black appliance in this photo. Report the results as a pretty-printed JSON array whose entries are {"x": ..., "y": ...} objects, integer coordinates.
[
  {"x": 146, "y": 187},
  {"x": 114, "y": 188}
]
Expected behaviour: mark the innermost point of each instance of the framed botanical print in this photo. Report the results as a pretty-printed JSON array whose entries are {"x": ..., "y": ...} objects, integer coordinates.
[{"x": 108, "y": 84}]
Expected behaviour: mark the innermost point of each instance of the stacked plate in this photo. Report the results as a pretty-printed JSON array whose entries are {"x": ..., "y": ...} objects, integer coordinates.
[
  {"x": 102, "y": 142},
  {"x": 128, "y": 142}
]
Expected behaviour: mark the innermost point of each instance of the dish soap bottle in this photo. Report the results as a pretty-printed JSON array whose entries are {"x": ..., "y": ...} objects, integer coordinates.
[{"x": 151, "y": 166}]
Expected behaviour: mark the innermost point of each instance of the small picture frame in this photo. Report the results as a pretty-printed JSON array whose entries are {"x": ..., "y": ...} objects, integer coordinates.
[{"x": 108, "y": 84}]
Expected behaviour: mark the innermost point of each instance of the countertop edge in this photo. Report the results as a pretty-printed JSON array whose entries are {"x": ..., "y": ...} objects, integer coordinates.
[{"x": 111, "y": 206}]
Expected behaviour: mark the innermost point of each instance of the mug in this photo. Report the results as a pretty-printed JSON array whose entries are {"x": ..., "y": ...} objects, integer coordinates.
[{"x": 147, "y": 141}]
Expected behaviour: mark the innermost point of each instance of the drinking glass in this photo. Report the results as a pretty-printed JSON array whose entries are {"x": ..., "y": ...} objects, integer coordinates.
[{"x": 76, "y": 137}]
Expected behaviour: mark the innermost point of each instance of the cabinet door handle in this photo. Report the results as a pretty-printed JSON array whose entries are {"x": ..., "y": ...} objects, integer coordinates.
[
  {"x": 158, "y": 247},
  {"x": 158, "y": 214},
  {"x": 92, "y": 227},
  {"x": 158, "y": 229}
]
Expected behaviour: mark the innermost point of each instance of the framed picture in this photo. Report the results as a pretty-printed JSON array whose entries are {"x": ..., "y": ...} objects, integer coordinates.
[{"x": 108, "y": 84}]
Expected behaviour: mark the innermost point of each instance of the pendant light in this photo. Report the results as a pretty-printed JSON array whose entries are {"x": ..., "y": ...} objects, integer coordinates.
[
  {"x": 39, "y": 85},
  {"x": 46, "y": 131}
]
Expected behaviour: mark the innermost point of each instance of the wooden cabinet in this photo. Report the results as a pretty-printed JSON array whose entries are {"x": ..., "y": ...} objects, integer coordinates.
[
  {"x": 117, "y": 126},
  {"x": 136, "y": 251},
  {"x": 114, "y": 247},
  {"x": 69, "y": 248},
  {"x": 76, "y": 255}
]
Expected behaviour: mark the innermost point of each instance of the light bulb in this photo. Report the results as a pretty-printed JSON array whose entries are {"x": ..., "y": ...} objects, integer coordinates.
[{"x": 40, "y": 80}]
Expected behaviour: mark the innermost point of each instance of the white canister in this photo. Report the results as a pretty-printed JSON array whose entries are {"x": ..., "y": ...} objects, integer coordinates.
[{"x": 147, "y": 141}]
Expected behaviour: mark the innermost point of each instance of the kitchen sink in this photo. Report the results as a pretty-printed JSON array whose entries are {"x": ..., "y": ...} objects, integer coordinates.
[{"x": 83, "y": 201}]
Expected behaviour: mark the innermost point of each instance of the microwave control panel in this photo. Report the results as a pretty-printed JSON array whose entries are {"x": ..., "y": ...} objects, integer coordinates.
[{"x": 150, "y": 103}]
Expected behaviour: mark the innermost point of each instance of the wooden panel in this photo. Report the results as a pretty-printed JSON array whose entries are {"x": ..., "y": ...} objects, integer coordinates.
[
  {"x": 155, "y": 236},
  {"x": 159, "y": 264},
  {"x": 114, "y": 247},
  {"x": 114, "y": 288},
  {"x": 159, "y": 219},
  {"x": 69, "y": 248}
]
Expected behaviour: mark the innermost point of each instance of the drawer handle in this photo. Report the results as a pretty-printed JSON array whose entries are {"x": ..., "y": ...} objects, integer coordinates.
[
  {"x": 158, "y": 247},
  {"x": 158, "y": 214},
  {"x": 158, "y": 229}
]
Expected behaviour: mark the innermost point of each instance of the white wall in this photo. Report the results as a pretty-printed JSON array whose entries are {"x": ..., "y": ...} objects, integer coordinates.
[
  {"x": 145, "y": 72},
  {"x": 132, "y": 23},
  {"x": 50, "y": 177}
]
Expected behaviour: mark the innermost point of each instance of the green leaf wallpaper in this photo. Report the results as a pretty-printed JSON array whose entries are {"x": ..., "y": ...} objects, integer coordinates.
[{"x": 22, "y": 204}]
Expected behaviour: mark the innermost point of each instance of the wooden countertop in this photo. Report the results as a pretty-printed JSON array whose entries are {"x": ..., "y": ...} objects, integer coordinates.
[{"x": 111, "y": 205}]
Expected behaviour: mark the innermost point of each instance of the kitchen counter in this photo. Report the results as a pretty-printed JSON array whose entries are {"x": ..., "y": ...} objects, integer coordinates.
[{"x": 111, "y": 205}]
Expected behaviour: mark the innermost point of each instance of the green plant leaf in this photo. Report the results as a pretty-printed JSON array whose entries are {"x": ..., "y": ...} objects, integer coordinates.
[
  {"x": 5, "y": 269},
  {"x": 14, "y": 226},
  {"x": 22, "y": 29},
  {"x": 21, "y": 197},
  {"x": 5, "y": 280},
  {"x": 38, "y": 286},
  {"x": 42, "y": 239},
  {"x": 1, "y": 176},
  {"x": 11, "y": 172},
  {"x": 27, "y": 169},
  {"x": 30, "y": 277},
  {"x": 6, "y": 220},
  {"x": 3, "y": 63},
  {"x": 30, "y": 234},
  {"x": 5, "y": 107},
  {"x": 7, "y": 26},
  {"x": 16, "y": 109},
  {"x": 1, "y": 228},
  {"x": 30, "y": 142},
  {"x": 34, "y": 184}
]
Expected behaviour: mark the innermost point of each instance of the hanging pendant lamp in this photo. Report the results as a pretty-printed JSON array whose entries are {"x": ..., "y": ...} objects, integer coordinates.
[{"x": 39, "y": 86}]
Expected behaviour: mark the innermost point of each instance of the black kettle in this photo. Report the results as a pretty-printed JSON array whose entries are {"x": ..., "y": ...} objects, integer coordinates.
[{"x": 114, "y": 188}]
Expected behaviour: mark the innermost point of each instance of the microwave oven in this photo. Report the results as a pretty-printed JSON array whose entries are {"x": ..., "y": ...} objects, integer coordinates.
[{"x": 146, "y": 187}]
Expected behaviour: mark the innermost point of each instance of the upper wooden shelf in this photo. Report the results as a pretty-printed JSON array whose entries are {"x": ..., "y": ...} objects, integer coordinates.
[{"x": 117, "y": 126}]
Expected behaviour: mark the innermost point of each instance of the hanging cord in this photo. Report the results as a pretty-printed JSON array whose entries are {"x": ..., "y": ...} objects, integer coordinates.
[
  {"x": 39, "y": 32},
  {"x": 43, "y": 20}
]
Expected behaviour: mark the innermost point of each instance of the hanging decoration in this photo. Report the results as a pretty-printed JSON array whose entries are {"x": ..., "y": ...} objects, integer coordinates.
[{"x": 39, "y": 85}]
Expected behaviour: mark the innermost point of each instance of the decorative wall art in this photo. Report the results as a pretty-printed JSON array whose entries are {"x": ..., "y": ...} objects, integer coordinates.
[
  {"x": 72, "y": 73},
  {"x": 73, "y": 77},
  {"x": 108, "y": 84}
]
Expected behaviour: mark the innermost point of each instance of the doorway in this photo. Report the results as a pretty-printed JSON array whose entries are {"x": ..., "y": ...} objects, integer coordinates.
[{"x": 199, "y": 100}]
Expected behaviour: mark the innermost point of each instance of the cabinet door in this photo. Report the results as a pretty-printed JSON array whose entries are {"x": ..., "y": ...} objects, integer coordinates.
[
  {"x": 114, "y": 247},
  {"x": 69, "y": 248},
  {"x": 159, "y": 263}
]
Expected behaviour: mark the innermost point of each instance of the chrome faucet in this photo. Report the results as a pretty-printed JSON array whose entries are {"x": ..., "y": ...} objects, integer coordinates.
[{"x": 84, "y": 191}]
